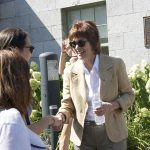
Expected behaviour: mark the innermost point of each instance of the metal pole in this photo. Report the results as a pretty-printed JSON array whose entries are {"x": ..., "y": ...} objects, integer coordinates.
[
  {"x": 50, "y": 89},
  {"x": 54, "y": 136}
]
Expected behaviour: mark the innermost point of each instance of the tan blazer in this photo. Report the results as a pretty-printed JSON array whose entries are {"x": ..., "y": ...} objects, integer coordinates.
[{"x": 115, "y": 86}]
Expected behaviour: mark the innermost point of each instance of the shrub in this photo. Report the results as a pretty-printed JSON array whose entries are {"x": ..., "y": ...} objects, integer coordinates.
[
  {"x": 35, "y": 82},
  {"x": 138, "y": 116}
]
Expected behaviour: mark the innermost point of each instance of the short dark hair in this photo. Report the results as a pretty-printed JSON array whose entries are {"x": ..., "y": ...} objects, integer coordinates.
[
  {"x": 12, "y": 38},
  {"x": 88, "y": 30},
  {"x": 15, "y": 91}
]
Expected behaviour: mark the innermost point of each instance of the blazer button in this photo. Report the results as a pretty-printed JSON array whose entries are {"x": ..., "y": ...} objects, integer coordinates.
[{"x": 81, "y": 111}]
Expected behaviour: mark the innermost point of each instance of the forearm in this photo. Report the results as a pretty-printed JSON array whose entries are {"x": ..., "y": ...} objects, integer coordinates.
[
  {"x": 67, "y": 106},
  {"x": 62, "y": 63},
  {"x": 39, "y": 126},
  {"x": 126, "y": 95},
  {"x": 125, "y": 101}
]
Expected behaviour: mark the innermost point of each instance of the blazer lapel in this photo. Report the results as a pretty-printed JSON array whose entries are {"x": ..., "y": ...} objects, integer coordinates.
[
  {"x": 105, "y": 76},
  {"x": 78, "y": 73},
  {"x": 105, "y": 73}
]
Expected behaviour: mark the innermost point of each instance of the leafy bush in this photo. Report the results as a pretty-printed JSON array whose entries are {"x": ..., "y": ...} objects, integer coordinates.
[
  {"x": 138, "y": 116},
  {"x": 35, "y": 83}
]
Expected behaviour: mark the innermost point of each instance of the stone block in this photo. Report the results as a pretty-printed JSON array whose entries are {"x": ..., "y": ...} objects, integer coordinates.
[
  {"x": 22, "y": 8},
  {"x": 141, "y": 5},
  {"x": 66, "y": 3},
  {"x": 21, "y": 21},
  {"x": 133, "y": 56},
  {"x": 38, "y": 49},
  {"x": 52, "y": 46},
  {"x": 7, "y": 10},
  {"x": 40, "y": 35},
  {"x": 133, "y": 40},
  {"x": 116, "y": 41},
  {"x": 56, "y": 31},
  {"x": 125, "y": 23},
  {"x": 119, "y": 7},
  {"x": 41, "y": 5},
  {"x": 35, "y": 21},
  {"x": 5, "y": 23}
]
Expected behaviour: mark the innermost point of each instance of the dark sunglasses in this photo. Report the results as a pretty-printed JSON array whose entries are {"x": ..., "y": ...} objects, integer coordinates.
[
  {"x": 31, "y": 48},
  {"x": 80, "y": 43}
]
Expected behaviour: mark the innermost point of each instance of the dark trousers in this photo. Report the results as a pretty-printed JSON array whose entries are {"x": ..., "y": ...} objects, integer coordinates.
[{"x": 95, "y": 138}]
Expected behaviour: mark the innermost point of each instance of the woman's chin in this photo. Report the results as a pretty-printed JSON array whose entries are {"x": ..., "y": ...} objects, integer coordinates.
[{"x": 80, "y": 57}]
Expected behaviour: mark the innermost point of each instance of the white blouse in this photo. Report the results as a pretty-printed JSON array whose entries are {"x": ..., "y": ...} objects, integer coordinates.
[{"x": 14, "y": 135}]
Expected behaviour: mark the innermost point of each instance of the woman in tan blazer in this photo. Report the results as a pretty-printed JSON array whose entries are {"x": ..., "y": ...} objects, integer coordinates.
[{"x": 111, "y": 81}]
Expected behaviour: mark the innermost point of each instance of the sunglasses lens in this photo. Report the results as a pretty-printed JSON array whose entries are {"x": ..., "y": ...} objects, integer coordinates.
[
  {"x": 80, "y": 43},
  {"x": 73, "y": 44},
  {"x": 31, "y": 49}
]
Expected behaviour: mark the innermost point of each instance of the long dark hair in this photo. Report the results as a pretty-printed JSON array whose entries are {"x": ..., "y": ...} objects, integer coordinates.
[
  {"x": 11, "y": 38},
  {"x": 15, "y": 91}
]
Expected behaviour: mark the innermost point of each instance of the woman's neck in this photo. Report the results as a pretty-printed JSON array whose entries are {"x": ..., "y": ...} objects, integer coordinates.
[{"x": 88, "y": 63}]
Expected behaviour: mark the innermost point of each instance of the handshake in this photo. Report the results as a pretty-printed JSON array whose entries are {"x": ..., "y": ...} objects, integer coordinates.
[{"x": 57, "y": 121}]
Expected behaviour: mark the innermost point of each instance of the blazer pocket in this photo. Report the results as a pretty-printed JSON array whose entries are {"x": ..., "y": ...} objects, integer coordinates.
[{"x": 107, "y": 77}]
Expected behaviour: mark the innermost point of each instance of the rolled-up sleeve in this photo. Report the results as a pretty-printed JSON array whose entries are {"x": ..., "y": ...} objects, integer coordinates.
[
  {"x": 126, "y": 97},
  {"x": 67, "y": 107}
]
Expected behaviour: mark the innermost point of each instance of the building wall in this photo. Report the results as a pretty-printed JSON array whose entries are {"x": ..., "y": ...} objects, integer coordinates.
[
  {"x": 42, "y": 19},
  {"x": 126, "y": 30}
]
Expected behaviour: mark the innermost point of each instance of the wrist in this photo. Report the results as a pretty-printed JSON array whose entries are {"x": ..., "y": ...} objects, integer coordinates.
[
  {"x": 53, "y": 120},
  {"x": 63, "y": 52},
  {"x": 62, "y": 116},
  {"x": 49, "y": 119},
  {"x": 115, "y": 105}
]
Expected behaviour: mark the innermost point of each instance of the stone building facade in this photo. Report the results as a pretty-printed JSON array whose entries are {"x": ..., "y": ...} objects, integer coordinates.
[{"x": 120, "y": 23}]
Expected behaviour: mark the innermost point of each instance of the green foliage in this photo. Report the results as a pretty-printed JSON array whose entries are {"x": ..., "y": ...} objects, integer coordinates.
[
  {"x": 35, "y": 115},
  {"x": 35, "y": 82},
  {"x": 61, "y": 85},
  {"x": 138, "y": 116}
]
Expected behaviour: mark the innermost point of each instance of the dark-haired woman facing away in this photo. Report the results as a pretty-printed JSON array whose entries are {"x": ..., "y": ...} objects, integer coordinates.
[{"x": 15, "y": 97}]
